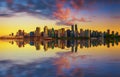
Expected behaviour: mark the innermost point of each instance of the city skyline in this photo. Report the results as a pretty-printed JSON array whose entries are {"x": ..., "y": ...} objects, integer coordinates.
[
  {"x": 6, "y": 28},
  {"x": 62, "y": 33},
  {"x": 59, "y": 38},
  {"x": 94, "y": 14}
]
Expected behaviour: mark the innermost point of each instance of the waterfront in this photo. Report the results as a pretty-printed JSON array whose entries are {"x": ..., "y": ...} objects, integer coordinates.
[
  {"x": 59, "y": 58},
  {"x": 59, "y": 38}
]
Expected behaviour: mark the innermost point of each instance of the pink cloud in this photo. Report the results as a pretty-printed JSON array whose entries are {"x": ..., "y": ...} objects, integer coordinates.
[
  {"x": 65, "y": 15},
  {"x": 73, "y": 21}
]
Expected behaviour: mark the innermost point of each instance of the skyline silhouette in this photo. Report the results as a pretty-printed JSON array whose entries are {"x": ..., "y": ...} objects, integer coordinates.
[{"x": 62, "y": 33}]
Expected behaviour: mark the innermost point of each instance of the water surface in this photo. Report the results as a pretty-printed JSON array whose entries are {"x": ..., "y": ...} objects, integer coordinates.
[{"x": 59, "y": 58}]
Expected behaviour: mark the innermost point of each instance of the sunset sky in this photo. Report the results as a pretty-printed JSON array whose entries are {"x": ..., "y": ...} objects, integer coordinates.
[{"x": 88, "y": 14}]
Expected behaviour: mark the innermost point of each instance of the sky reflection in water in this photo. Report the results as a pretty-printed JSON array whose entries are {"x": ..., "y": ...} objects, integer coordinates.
[{"x": 88, "y": 61}]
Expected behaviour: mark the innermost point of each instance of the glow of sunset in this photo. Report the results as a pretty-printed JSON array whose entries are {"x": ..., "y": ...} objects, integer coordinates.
[{"x": 29, "y": 23}]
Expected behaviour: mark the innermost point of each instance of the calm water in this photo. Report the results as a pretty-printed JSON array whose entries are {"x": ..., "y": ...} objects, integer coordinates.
[{"x": 59, "y": 58}]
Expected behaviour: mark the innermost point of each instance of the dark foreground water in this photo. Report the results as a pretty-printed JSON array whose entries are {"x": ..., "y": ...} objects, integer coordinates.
[{"x": 59, "y": 58}]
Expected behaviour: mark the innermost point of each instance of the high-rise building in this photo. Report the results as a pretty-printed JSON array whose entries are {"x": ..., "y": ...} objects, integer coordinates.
[
  {"x": 53, "y": 33},
  {"x": 72, "y": 31},
  {"x": 63, "y": 32},
  {"x": 32, "y": 33},
  {"x": 76, "y": 31},
  {"x": 12, "y": 34},
  {"x": 104, "y": 33},
  {"x": 81, "y": 33},
  {"x": 72, "y": 27},
  {"x": 50, "y": 32},
  {"x": 87, "y": 33},
  {"x": 37, "y": 31},
  {"x": 45, "y": 31},
  {"x": 23, "y": 32},
  {"x": 56, "y": 33},
  {"x": 116, "y": 34},
  {"x": 59, "y": 33},
  {"x": 108, "y": 32},
  {"x": 20, "y": 33},
  {"x": 72, "y": 34},
  {"x": 68, "y": 33},
  {"x": 112, "y": 32}
]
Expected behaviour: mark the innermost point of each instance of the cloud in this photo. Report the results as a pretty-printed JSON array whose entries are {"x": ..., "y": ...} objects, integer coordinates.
[
  {"x": 72, "y": 21},
  {"x": 43, "y": 8},
  {"x": 62, "y": 14},
  {"x": 77, "y": 4},
  {"x": 5, "y": 11},
  {"x": 61, "y": 10},
  {"x": 65, "y": 15},
  {"x": 52, "y": 9}
]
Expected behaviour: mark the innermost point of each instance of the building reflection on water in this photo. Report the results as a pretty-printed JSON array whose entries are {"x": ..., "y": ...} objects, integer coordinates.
[
  {"x": 66, "y": 64},
  {"x": 73, "y": 44}
]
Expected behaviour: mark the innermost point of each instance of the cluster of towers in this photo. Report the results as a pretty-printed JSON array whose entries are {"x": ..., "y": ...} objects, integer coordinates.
[
  {"x": 66, "y": 33},
  {"x": 60, "y": 33}
]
